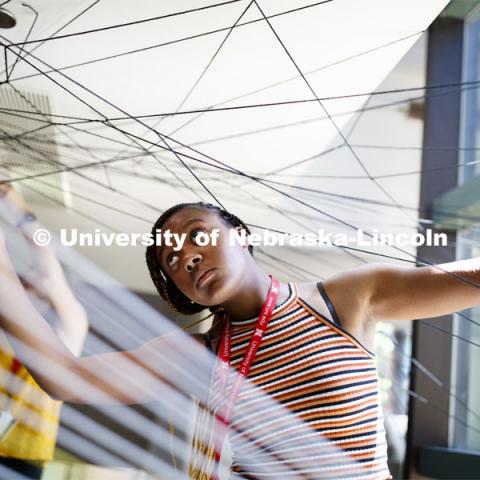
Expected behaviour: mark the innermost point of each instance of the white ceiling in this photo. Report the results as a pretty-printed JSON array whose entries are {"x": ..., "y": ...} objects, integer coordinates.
[{"x": 336, "y": 45}]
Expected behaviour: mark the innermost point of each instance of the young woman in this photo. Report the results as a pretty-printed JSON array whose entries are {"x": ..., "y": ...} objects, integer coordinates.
[{"x": 314, "y": 356}]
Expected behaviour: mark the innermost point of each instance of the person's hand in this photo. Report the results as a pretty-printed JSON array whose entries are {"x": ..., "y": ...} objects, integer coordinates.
[
  {"x": 22, "y": 218},
  {"x": 4, "y": 189},
  {"x": 45, "y": 271},
  {"x": 18, "y": 209}
]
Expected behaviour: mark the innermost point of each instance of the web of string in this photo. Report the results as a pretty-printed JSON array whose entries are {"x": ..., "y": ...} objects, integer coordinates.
[{"x": 205, "y": 163}]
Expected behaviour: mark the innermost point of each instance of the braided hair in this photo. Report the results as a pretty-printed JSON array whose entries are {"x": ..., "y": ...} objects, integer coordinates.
[{"x": 176, "y": 299}]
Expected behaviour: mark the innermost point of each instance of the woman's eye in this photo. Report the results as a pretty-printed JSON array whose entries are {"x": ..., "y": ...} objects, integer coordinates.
[
  {"x": 194, "y": 234},
  {"x": 170, "y": 258}
]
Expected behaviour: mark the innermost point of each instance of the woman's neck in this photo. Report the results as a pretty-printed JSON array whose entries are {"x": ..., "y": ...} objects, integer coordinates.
[{"x": 250, "y": 298}]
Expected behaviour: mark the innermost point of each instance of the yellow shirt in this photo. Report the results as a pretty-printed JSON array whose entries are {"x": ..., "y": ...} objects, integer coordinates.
[{"x": 34, "y": 434}]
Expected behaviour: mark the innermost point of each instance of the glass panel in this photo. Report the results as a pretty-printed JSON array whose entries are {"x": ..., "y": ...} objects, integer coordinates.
[
  {"x": 466, "y": 411},
  {"x": 471, "y": 100}
]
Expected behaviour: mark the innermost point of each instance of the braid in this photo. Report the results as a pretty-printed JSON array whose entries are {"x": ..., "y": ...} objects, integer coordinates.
[{"x": 176, "y": 299}]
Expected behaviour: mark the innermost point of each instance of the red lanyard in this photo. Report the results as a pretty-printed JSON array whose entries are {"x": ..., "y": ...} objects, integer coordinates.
[{"x": 224, "y": 354}]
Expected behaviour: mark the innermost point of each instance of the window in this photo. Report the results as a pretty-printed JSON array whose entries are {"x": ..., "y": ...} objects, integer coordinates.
[
  {"x": 465, "y": 412},
  {"x": 465, "y": 406},
  {"x": 470, "y": 122}
]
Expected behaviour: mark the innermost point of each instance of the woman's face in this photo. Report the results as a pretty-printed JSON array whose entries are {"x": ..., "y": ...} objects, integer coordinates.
[{"x": 223, "y": 264}]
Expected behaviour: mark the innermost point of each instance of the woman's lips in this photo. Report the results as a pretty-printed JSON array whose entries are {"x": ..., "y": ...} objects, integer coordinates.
[{"x": 205, "y": 277}]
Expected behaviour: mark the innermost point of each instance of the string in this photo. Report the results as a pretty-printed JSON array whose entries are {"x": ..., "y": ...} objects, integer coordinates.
[
  {"x": 76, "y": 17},
  {"x": 305, "y": 204},
  {"x": 297, "y": 200},
  {"x": 304, "y": 101},
  {"x": 318, "y": 119},
  {"x": 91, "y": 200},
  {"x": 327, "y": 193},
  {"x": 431, "y": 376},
  {"x": 162, "y": 139},
  {"x": 338, "y": 130},
  {"x": 453, "y": 88},
  {"x": 196, "y": 322},
  {"x": 311, "y": 72},
  {"x": 130, "y": 197},
  {"x": 389, "y": 175},
  {"x": 104, "y": 121},
  {"x": 9, "y": 74},
  {"x": 127, "y": 24},
  {"x": 190, "y": 37},
  {"x": 204, "y": 70}
]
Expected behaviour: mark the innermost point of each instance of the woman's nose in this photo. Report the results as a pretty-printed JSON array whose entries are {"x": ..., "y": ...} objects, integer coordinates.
[{"x": 190, "y": 263}]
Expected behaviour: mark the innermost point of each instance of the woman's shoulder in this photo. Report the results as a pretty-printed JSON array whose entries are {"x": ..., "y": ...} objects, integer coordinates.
[
  {"x": 341, "y": 300},
  {"x": 310, "y": 293}
]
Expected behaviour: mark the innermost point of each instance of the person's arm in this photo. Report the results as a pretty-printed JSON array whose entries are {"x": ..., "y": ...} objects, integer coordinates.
[
  {"x": 72, "y": 325},
  {"x": 382, "y": 291},
  {"x": 117, "y": 377},
  {"x": 47, "y": 278}
]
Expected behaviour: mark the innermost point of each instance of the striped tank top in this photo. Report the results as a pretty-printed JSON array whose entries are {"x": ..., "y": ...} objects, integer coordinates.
[{"x": 308, "y": 365}]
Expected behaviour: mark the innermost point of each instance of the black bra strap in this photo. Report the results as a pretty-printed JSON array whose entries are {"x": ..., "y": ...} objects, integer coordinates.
[{"x": 329, "y": 303}]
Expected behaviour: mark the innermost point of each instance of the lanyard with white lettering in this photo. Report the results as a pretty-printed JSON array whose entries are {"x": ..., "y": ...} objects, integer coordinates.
[{"x": 225, "y": 410}]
